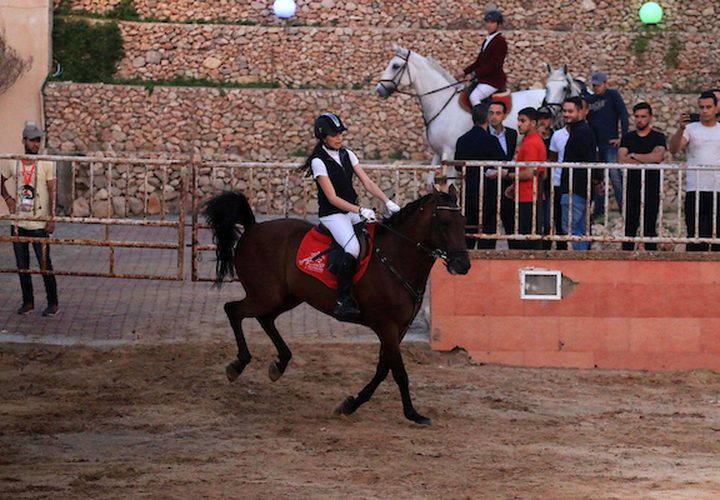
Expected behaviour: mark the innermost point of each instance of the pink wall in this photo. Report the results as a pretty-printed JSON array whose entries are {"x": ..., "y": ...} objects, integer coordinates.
[{"x": 621, "y": 314}]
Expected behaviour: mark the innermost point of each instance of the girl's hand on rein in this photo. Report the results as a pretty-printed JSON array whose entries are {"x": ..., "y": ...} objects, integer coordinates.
[{"x": 392, "y": 207}]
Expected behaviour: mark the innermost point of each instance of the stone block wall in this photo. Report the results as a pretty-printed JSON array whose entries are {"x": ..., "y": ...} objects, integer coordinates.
[
  {"x": 561, "y": 15},
  {"x": 255, "y": 124},
  {"x": 354, "y": 57}
]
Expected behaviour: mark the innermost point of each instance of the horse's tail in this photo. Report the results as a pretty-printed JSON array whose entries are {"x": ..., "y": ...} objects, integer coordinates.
[{"x": 222, "y": 213}]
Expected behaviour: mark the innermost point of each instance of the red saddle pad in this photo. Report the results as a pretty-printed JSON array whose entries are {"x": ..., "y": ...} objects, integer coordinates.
[{"x": 315, "y": 243}]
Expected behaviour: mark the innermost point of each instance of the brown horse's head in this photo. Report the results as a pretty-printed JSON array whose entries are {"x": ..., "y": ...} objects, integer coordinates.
[{"x": 447, "y": 231}]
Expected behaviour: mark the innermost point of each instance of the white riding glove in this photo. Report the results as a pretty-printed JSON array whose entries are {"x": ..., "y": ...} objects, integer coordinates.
[
  {"x": 367, "y": 214},
  {"x": 392, "y": 207}
]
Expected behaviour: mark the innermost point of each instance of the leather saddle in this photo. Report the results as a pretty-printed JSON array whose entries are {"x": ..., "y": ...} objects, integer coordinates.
[
  {"x": 335, "y": 252},
  {"x": 502, "y": 95}
]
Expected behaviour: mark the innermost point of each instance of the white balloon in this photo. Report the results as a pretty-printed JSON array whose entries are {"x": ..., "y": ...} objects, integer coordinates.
[{"x": 284, "y": 8}]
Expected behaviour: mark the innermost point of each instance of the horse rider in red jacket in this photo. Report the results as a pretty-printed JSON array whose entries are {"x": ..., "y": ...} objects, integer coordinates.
[{"x": 488, "y": 67}]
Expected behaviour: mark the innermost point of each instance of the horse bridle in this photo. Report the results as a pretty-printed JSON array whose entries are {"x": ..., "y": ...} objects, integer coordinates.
[
  {"x": 555, "y": 107},
  {"x": 433, "y": 253},
  {"x": 397, "y": 77}
]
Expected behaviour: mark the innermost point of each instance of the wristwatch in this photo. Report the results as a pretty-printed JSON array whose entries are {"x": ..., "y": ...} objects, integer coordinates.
[{"x": 632, "y": 155}]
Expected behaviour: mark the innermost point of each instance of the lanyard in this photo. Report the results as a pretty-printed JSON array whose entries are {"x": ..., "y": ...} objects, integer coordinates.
[{"x": 28, "y": 178}]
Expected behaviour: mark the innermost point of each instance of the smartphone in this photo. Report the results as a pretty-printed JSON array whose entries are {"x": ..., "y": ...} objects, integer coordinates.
[{"x": 694, "y": 117}]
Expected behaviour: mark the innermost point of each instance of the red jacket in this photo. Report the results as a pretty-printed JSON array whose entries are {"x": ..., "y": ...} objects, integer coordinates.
[{"x": 488, "y": 67}]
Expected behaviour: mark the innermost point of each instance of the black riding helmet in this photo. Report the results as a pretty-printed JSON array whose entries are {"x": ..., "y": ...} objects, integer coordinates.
[
  {"x": 328, "y": 124},
  {"x": 494, "y": 15}
]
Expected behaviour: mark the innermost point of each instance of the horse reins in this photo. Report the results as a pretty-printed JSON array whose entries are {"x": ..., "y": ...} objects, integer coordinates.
[
  {"x": 398, "y": 76},
  {"x": 434, "y": 254}
]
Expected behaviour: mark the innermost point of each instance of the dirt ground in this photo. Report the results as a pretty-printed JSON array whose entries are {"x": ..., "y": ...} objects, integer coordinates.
[{"x": 162, "y": 421}]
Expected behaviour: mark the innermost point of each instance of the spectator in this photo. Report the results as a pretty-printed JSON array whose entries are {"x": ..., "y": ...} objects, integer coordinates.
[
  {"x": 529, "y": 181},
  {"x": 580, "y": 147},
  {"x": 642, "y": 146},
  {"x": 497, "y": 112},
  {"x": 701, "y": 142},
  {"x": 606, "y": 110},
  {"x": 478, "y": 144},
  {"x": 33, "y": 196},
  {"x": 557, "y": 154},
  {"x": 545, "y": 130}
]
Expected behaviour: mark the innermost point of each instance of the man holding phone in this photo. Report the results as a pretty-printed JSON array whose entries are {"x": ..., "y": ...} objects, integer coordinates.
[{"x": 701, "y": 140}]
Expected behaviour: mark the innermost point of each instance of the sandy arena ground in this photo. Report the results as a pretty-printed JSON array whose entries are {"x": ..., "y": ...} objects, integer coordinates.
[{"x": 162, "y": 421}]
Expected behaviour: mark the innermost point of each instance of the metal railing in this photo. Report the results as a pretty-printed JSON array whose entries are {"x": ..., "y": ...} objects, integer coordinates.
[{"x": 670, "y": 229}]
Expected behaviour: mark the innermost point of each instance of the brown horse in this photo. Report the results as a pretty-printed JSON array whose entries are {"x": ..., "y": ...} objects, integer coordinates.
[{"x": 389, "y": 294}]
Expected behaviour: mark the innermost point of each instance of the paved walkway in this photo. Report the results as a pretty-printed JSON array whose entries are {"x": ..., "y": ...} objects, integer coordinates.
[{"x": 100, "y": 311}]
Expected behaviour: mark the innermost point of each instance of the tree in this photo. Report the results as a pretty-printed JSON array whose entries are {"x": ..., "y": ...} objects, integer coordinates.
[{"x": 11, "y": 65}]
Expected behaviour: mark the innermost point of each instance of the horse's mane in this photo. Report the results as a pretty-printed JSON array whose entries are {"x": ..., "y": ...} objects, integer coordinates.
[
  {"x": 436, "y": 66},
  {"x": 412, "y": 207},
  {"x": 403, "y": 52}
]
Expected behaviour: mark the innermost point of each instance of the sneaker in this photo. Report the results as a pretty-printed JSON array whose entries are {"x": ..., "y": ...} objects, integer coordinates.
[
  {"x": 51, "y": 310},
  {"x": 25, "y": 309}
]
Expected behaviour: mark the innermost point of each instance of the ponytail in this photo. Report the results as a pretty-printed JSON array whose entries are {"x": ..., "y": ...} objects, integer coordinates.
[{"x": 306, "y": 168}]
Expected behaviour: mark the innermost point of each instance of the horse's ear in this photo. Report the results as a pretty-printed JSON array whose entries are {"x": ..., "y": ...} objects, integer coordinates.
[
  {"x": 453, "y": 193},
  {"x": 548, "y": 68},
  {"x": 395, "y": 46},
  {"x": 565, "y": 69}
]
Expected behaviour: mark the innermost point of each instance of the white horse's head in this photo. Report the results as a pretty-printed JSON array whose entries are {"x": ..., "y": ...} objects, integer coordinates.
[
  {"x": 396, "y": 74},
  {"x": 560, "y": 85}
]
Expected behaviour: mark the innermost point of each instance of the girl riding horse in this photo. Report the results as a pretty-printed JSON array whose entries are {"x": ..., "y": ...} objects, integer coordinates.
[{"x": 333, "y": 168}]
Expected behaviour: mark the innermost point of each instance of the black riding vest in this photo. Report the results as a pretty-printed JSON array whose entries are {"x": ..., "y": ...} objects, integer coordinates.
[{"x": 341, "y": 177}]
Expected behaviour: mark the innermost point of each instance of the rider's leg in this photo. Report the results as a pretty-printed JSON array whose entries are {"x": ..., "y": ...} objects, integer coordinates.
[
  {"x": 341, "y": 228},
  {"x": 480, "y": 92}
]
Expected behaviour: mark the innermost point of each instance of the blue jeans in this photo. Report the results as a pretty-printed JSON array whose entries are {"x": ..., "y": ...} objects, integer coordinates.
[
  {"x": 579, "y": 211},
  {"x": 609, "y": 154}
]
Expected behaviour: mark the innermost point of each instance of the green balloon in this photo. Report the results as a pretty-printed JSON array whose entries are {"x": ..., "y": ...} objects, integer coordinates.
[{"x": 651, "y": 13}]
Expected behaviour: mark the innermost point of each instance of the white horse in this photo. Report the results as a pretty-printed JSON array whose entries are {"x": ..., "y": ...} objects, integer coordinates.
[{"x": 438, "y": 93}]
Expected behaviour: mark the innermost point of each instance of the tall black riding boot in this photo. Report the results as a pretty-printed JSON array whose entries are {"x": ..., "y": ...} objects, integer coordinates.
[{"x": 346, "y": 307}]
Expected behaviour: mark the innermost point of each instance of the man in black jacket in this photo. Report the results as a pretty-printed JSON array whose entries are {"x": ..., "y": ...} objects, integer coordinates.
[
  {"x": 581, "y": 147},
  {"x": 478, "y": 144}
]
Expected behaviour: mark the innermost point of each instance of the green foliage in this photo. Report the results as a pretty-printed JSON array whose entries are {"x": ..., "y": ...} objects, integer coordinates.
[
  {"x": 301, "y": 153},
  {"x": 396, "y": 155},
  {"x": 672, "y": 54},
  {"x": 195, "y": 82},
  {"x": 87, "y": 52},
  {"x": 640, "y": 44},
  {"x": 125, "y": 11}
]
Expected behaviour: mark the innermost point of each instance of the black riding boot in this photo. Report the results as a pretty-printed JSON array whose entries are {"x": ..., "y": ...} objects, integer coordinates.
[{"x": 346, "y": 307}]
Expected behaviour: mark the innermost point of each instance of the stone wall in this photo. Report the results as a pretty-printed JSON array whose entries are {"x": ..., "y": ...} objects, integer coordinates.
[
  {"x": 562, "y": 15},
  {"x": 255, "y": 124},
  {"x": 352, "y": 57}
]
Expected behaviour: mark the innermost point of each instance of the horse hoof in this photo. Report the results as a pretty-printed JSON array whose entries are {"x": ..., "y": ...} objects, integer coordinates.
[
  {"x": 347, "y": 407},
  {"x": 233, "y": 370},
  {"x": 420, "y": 420},
  {"x": 274, "y": 371}
]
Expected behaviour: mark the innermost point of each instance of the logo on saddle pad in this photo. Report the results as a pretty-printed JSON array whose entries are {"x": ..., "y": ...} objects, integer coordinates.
[{"x": 315, "y": 256}]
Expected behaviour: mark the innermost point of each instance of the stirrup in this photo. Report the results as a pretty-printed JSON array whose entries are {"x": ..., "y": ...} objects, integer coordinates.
[{"x": 347, "y": 308}]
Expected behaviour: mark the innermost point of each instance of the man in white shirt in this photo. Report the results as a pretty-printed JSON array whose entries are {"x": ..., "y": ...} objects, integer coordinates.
[
  {"x": 701, "y": 142},
  {"x": 557, "y": 154}
]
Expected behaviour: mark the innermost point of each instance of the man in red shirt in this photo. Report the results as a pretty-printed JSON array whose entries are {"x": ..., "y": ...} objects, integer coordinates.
[{"x": 527, "y": 185}]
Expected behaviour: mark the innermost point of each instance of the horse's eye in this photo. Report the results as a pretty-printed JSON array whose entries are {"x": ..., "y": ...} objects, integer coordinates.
[{"x": 395, "y": 66}]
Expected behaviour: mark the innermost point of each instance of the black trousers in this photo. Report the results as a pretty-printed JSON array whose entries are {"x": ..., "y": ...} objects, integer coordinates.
[
  {"x": 525, "y": 226},
  {"x": 557, "y": 220},
  {"x": 652, "y": 207},
  {"x": 705, "y": 219},
  {"x": 22, "y": 258},
  {"x": 488, "y": 225}
]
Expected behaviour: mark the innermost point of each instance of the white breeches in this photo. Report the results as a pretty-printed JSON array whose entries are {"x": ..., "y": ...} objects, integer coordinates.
[
  {"x": 341, "y": 228},
  {"x": 482, "y": 91}
]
